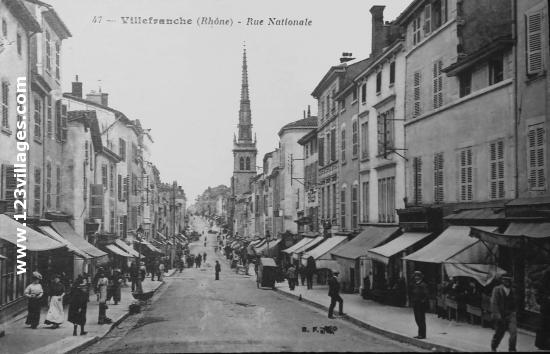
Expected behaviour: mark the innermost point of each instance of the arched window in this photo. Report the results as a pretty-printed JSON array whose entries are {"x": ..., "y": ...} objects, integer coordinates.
[
  {"x": 241, "y": 163},
  {"x": 248, "y": 163}
]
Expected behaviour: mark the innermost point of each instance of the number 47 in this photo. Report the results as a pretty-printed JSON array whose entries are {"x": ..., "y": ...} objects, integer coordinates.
[{"x": 97, "y": 19}]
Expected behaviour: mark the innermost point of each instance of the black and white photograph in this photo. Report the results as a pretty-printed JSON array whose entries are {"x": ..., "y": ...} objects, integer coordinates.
[{"x": 204, "y": 176}]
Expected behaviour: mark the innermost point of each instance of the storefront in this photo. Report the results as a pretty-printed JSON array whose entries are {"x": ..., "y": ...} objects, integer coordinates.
[
  {"x": 456, "y": 260},
  {"x": 321, "y": 254},
  {"x": 354, "y": 263},
  {"x": 524, "y": 251},
  {"x": 39, "y": 248},
  {"x": 288, "y": 251}
]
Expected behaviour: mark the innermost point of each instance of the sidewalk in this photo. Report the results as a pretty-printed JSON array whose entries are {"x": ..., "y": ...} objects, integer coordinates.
[
  {"x": 398, "y": 323},
  {"x": 21, "y": 339}
]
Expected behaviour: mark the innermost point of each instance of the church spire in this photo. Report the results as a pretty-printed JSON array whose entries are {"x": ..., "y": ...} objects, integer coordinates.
[{"x": 245, "y": 115}]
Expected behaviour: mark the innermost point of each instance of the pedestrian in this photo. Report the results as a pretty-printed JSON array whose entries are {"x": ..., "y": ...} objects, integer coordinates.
[
  {"x": 142, "y": 271},
  {"x": 543, "y": 298},
  {"x": 180, "y": 264},
  {"x": 55, "y": 315},
  {"x": 101, "y": 290},
  {"x": 34, "y": 293},
  {"x": 154, "y": 270},
  {"x": 204, "y": 257},
  {"x": 310, "y": 271},
  {"x": 198, "y": 260},
  {"x": 161, "y": 271},
  {"x": 218, "y": 269},
  {"x": 291, "y": 276},
  {"x": 419, "y": 299},
  {"x": 116, "y": 283},
  {"x": 334, "y": 293},
  {"x": 78, "y": 304},
  {"x": 303, "y": 274},
  {"x": 134, "y": 274},
  {"x": 504, "y": 307}
]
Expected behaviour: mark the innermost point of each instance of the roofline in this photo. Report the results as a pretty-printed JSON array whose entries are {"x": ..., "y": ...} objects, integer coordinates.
[
  {"x": 309, "y": 135},
  {"x": 289, "y": 126},
  {"x": 333, "y": 70},
  {"x": 65, "y": 33},
  {"x": 391, "y": 48},
  {"x": 20, "y": 11},
  {"x": 409, "y": 10}
]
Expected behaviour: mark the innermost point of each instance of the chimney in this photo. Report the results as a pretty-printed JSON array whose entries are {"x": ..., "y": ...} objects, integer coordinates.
[
  {"x": 101, "y": 98},
  {"x": 378, "y": 32},
  {"x": 346, "y": 57},
  {"x": 309, "y": 110},
  {"x": 77, "y": 88}
]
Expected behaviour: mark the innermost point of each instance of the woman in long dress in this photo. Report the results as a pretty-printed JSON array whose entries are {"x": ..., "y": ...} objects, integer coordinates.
[
  {"x": 55, "y": 314},
  {"x": 34, "y": 293},
  {"x": 78, "y": 304}
]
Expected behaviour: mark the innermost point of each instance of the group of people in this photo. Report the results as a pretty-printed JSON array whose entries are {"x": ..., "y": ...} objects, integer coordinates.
[
  {"x": 106, "y": 284},
  {"x": 195, "y": 260},
  {"x": 305, "y": 273}
]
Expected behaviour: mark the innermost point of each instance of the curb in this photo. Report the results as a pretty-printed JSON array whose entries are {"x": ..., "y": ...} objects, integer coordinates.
[{"x": 392, "y": 335}]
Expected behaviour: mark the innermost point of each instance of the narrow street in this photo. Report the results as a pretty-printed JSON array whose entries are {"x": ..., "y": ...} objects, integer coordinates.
[{"x": 195, "y": 313}]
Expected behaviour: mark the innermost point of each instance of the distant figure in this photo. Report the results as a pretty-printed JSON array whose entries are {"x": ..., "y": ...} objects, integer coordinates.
[
  {"x": 334, "y": 293},
  {"x": 218, "y": 269},
  {"x": 101, "y": 290},
  {"x": 204, "y": 257},
  {"x": 78, "y": 304},
  {"x": 198, "y": 260},
  {"x": 116, "y": 283},
  {"x": 504, "y": 307},
  {"x": 291, "y": 276},
  {"x": 154, "y": 270},
  {"x": 310, "y": 271},
  {"x": 161, "y": 271},
  {"x": 134, "y": 274},
  {"x": 419, "y": 299}
]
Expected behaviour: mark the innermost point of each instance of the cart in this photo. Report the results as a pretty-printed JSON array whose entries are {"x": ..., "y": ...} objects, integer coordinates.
[{"x": 267, "y": 273}]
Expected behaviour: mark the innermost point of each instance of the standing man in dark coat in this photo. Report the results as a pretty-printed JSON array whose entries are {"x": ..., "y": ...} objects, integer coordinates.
[
  {"x": 419, "y": 299},
  {"x": 218, "y": 269},
  {"x": 334, "y": 293},
  {"x": 504, "y": 308},
  {"x": 310, "y": 271}
]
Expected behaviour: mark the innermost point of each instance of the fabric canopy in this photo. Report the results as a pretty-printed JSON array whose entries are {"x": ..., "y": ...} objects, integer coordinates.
[
  {"x": 323, "y": 249},
  {"x": 371, "y": 237},
  {"x": 150, "y": 247},
  {"x": 269, "y": 262},
  {"x": 327, "y": 264},
  {"x": 297, "y": 245},
  {"x": 161, "y": 236},
  {"x": 454, "y": 246},
  {"x": 515, "y": 235},
  {"x": 399, "y": 244},
  {"x": 271, "y": 244},
  {"x": 118, "y": 251},
  {"x": 482, "y": 273},
  {"x": 47, "y": 230},
  {"x": 127, "y": 248},
  {"x": 35, "y": 241},
  {"x": 68, "y": 233}
]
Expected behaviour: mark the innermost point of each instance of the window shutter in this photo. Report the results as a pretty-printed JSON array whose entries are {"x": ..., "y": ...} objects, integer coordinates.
[
  {"x": 536, "y": 149},
  {"x": 427, "y": 19},
  {"x": 416, "y": 94},
  {"x": 534, "y": 23},
  {"x": 96, "y": 201},
  {"x": 438, "y": 178},
  {"x": 64, "y": 122},
  {"x": 417, "y": 178},
  {"x": 10, "y": 184},
  {"x": 125, "y": 188}
]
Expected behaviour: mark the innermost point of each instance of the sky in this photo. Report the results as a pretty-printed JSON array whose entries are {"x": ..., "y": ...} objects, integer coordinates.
[{"x": 183, "y": 81}]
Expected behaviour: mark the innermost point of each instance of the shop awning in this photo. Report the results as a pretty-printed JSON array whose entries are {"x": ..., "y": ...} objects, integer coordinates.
[
  {"x": 258, "y": 244},
  {"x": 162, "y": 237},
  {"x": 327, "y": 264},
  {"x": 127, "y": 248},
  {"x": 297, "y": 245},
  {"x": 150, "y": 247},
  {"x": 118, "y": 251},
  {"x": 482, "y": 273},
  {"x": 35, "y": 240},
  {"x": 515, "y": 235},
  {"x": 47, "y": 230},
  {"x": 454, "y": 245},
  {"x": 495, "y": 213},
  {"x": 317, "y": 240},
  {"x": 322, "y": 250},
  {"x": 68, "y": 233},
  {"x": 372, "y": 236},
  {"x": 272, "y": 245},
  {"x": 395, "y": 246}
]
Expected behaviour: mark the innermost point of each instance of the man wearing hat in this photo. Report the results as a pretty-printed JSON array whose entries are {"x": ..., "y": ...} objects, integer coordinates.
[
  {"x": 34, "y": 293},
  {"x": 419, "y": 300},
  {"x": 504, "y": 307},
  {"x": 334, "y": 293}
]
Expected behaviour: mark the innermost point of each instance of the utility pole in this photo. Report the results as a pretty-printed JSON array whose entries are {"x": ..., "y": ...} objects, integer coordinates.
[{"x": 173, "y": 223}]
